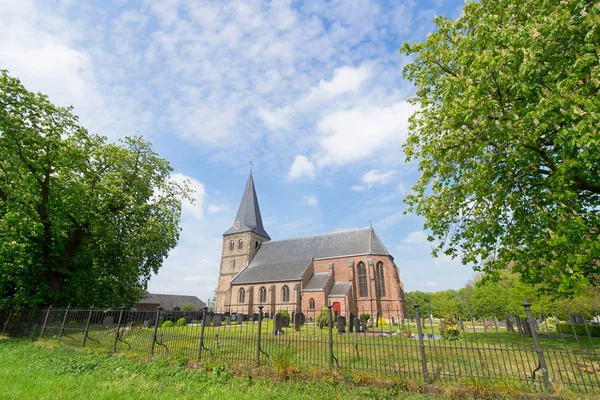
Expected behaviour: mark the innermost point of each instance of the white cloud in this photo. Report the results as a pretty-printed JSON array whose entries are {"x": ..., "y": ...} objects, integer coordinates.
[
  {"x": 432, "y": 284},
  {"x": 215, "y": 208},
  {"x": 357, "y": 188},
  {"x": 311, "y": 200},
  {"x": 193, "y": 278},
  {"x": 355, "y": 134},
  {"x": 196, "y": 210},
  {"x": 302, "y": 167},
  {"x": 374, "y": 177},
  {"x": 416, "y": 238}
]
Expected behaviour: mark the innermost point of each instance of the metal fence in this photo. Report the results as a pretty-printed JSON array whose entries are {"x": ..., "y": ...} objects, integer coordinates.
[{"x": 539, "y": 348}]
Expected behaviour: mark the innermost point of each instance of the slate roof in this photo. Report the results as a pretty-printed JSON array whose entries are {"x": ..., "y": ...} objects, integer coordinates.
[
  {"x": 339, "y": 289},
  {"x": 169, "y": 301},
  {"x": 286, "y": 260},
  {"x": 248, "y": 214},
  {"x": 317, "y": 282}
]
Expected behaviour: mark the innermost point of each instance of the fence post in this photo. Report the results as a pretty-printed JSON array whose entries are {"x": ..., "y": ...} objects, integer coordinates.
[
  {"x": 201, "y": 344},
  {"x": 421, "y": 343},
  {"x": 87, "y": 327},
  {"x": 155, "y": 330},
  {"x": 536, "y": 341},
  {"x": 260, "y": 317},
  {"x": 6, "y": 323},
  {"x": 114, "y": 350},
  {"x": 45, "y": 322},
  {"x": 62, "y": 326},
  {"x": 330, "y": 328}
]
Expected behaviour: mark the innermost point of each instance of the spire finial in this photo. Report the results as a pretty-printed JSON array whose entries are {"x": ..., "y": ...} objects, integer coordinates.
[
  {"x": 250, "y": 161},
  {"x": 370, "y": 222}
]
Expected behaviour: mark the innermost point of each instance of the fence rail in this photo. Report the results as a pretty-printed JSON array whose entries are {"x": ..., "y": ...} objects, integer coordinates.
[{"x": 538, "y": 348}]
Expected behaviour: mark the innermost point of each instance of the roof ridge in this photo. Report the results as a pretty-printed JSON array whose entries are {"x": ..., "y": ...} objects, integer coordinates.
[{"x": 320, "y": 234}]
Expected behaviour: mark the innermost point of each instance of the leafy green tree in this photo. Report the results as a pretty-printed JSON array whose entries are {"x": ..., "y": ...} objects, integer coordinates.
[
  {"x": 506, "y": 135},
  {"x": 187, "y": 307},
  {"x": 82, "y": 221},
  {"x": 488, "y": 299}
]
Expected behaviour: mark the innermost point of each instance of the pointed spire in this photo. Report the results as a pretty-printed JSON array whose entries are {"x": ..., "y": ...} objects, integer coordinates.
[{"x": 248, "y": 218}]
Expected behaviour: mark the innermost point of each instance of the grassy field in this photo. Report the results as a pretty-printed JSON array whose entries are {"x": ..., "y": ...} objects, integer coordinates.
[{"x": 30, "y": 371}]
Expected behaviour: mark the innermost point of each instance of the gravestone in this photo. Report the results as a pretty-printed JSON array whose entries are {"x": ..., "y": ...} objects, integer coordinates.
[
  {"x": 461, "y": 325},
  {"x": 357, "y": 325},
  {"x": 579, "y": 319},
  {"x": 146, "y": 323},
  {"x": 393, "y": 321},
  {"x": 217, "y": 320},
  {"x": 509, "y": 324},
  {"x": 285, "y": 321},
  {"x": 107, "y": 323},
  {"x": 228, "y": 320},
  {"x": 363, "y": 324},
  {"x": 351, "y": 323},
  {"x": 297, "y": 321},
  {"x": 278, "y": 325},
  {"x": 209, "y": 318},
  {"x": 341, "y": 324}
]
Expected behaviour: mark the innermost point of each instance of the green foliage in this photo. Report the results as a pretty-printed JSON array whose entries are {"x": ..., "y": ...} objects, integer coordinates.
[
  {"x": 167, "y": 324},
  {"x": 187, "y": 307},
  {"x": 82, "y": 220},
  {"x": 507, "y": 137},
  {"x": 181, "y": 322},
  {"x": 284, "y": 314},
  {"x": 365, "y": 316},
  {"x": 323, "y": 317},
  {"x": 581, "y": 330},
  {"x": 550, "y": 324}
]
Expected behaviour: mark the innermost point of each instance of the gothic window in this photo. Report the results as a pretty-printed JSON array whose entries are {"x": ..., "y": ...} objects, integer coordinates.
[
  {"x": 363, "y": 290},
  {"x": 285, "y": 294},
  {"x": 380, "y": 279},
  {"x": 311, "y": 304},
  {"x": 233, "y": 265},
  {"x": 256, "y": 245},
  {"x": 262, "y": 295},
  {"x": 240, "y": 244},
  {"x": 241, "y": 295},
  {"x": 231, "y": 245}
]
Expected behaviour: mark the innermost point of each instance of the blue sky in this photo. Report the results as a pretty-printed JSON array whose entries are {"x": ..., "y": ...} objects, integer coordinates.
[{"x": 311, "y": 91}]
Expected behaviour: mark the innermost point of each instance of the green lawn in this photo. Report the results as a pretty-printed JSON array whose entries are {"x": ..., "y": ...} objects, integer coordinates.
[{"x": 29, "y": 371}]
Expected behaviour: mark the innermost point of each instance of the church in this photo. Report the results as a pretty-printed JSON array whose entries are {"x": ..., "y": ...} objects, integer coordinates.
[{"x": 350, "y": 270}]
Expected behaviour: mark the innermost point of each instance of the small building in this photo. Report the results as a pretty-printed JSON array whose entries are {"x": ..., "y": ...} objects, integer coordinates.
[{"x": 169, "y": 302}]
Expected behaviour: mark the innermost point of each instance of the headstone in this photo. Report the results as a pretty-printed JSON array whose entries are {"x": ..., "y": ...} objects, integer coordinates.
[
  {"x": 209, "y": 318},
  {"x": 393, "y": 321},
  {"x": 461, "y": 325},
  {"x": 217, "y": 320},
  {"x": 351, "y": 323},
  {"x": 146, "y": 323},
  {"x": 363, "y": 324},
  {"x": 509, "y": 324},
  {"x": 107, "y": 323},
  {"x": 579, "y": 319},
  {"x": 228, "y": 320},
  {"x": 297, "y": 321},
  {"x": 341, "y": 324},
  {"x": 277, "y": 325},
  {"x": 357, "y": 325},
  {"x": 285, "y": 321}
]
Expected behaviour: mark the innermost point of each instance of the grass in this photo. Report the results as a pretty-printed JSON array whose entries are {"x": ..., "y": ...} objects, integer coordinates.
[{"x": 51, "y": 371}]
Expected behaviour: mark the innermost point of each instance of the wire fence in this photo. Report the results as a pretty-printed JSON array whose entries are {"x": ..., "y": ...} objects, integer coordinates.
[{"x": 539, "y": 348}]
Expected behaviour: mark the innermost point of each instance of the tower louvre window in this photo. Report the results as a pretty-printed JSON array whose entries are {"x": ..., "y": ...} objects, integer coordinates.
[
  {"x": 231, "y": 245},
  {"x": 240, "y": 244},
  {"x": 363, "y": 290},
  {"x": 379, "y": 275}
]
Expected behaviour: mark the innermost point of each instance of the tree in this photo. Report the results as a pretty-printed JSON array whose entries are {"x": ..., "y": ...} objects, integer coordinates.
[
  {"x": 506, "y": 135},
  {"x": 187, "y": 307},
  {"x": 82, "y": 221}
]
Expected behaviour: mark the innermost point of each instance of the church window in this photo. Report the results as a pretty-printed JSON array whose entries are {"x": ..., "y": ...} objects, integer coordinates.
[
  {"x": 311, "y": 304},
  {"x": 256, "y": 245},
  {"x": 231, "y": 245},
  {"x": 241, "y": 295},
  {"x": 262, "y": 295},
  {"x": 380, "y": 280},
  {"x": 285, "y": 294},
  {"x": 363, "y": 290},
  {"x": 240, "y": 244},
  {"x": 233, "y": 265}
]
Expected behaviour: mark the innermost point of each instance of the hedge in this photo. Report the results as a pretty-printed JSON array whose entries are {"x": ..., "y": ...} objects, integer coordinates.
[{"x": 580, "y": 329}]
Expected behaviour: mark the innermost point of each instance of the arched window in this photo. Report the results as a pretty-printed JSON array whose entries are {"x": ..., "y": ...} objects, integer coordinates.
[
  {"x": 380, "y": 279},
  {"x": 240, "y": 244},
  {"x": 311, "y": 304},
  {"x": 231, "y": 245},
  {"x": 285, "y": 294},
  {"x": 256, "y": 245},
  {"x": 363, "y": 290},
  {"x": 241, "y": 296},
  {"x": 262, "y": 295}
]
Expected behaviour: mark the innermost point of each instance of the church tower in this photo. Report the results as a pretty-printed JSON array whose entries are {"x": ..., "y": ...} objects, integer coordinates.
[{"x": 240, "y": 243}]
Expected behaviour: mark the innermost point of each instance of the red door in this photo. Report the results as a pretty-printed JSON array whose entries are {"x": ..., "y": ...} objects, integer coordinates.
[{"x": 336, "y": 308}]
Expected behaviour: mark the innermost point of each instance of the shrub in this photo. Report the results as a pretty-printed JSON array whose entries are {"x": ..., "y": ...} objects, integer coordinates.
[
  {"x": 323, "y": 317},
  {"x": 187, "y": 307},
  {"x": 550, "y": 324},
  {"x": 181, "y": 322},
  {"x": 365, "y": 316},
  {"x": 448, "y": 328},
  {"x": 580, "y": 329},
  {"x": 167, "y": 324},
  {"x": 381, "y": 321},
  {"x": 284, "y": 314}
]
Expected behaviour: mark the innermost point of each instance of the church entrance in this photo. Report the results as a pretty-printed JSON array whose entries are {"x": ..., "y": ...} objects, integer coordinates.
[{"x": 336, "y": 308}]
